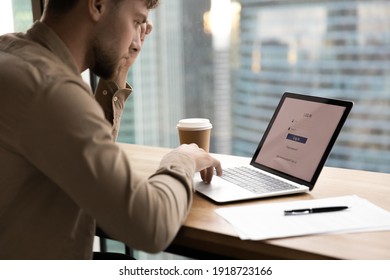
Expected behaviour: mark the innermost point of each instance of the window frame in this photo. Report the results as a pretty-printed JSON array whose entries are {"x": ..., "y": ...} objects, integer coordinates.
[{"x": 37, "y": 8}]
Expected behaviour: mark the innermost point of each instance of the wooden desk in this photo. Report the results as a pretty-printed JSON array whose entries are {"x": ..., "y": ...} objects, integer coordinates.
[{"x": 206, "y": 235}]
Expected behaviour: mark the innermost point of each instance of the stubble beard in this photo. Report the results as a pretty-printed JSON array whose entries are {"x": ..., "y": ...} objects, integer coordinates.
[{"x": 104, "y": 62}]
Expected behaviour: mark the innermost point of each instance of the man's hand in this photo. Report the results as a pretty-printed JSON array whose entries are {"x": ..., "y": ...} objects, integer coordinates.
[
  {"x": 205, "y": 163},
  {"x": 120, "y": 76}
]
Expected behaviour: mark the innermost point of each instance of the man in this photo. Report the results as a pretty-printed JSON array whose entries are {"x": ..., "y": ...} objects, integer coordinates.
[{"x": 60, "y": 170}]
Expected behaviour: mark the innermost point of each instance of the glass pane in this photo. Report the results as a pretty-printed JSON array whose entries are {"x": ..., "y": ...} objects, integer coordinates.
[
  {"x": 335, "y": 49},
  {"x": 230, "y": 61},
  {"x": 15, "y": 15}
]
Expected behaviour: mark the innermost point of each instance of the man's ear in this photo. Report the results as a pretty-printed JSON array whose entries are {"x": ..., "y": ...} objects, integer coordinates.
[{"x": 97, "y": 8}]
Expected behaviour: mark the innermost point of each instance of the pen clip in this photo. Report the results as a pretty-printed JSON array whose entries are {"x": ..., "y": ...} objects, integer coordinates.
[{"x": 297, "y": 212}]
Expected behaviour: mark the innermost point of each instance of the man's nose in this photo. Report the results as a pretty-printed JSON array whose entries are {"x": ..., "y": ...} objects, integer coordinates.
[{"x": 136, "y": 43}]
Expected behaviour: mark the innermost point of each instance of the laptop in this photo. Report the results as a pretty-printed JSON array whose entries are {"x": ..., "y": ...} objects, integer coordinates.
[{"x": 290, "y": 155}]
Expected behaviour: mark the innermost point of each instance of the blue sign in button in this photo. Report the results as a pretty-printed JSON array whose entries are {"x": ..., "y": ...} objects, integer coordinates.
[{"x": 296, "y": 138}]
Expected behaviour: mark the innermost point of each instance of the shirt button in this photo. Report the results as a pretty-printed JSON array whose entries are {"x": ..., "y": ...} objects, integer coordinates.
[
  {"x": 105, "y": 92},
  {"x": 115, "y": 99}
]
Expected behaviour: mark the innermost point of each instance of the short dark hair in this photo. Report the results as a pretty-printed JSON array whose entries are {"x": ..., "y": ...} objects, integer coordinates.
[
  {"x": 64, "y": 6},
  {"x": 60, "y": 6}
]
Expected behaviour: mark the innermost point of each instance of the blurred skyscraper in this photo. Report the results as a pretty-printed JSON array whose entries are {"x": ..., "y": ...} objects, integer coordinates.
[{"x": 337, "y": 49}]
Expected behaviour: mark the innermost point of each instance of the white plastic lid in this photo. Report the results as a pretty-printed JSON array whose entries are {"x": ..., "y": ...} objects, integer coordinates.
[{"x": 194, "y": 124}]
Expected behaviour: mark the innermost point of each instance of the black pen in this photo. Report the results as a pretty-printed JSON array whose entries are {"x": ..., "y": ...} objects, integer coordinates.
[{"x": 314, "y": 210}]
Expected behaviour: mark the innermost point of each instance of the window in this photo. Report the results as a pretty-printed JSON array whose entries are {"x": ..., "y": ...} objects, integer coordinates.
[
  {"x": 230, "y": 61},
  {"x": 15, "y": 15}
]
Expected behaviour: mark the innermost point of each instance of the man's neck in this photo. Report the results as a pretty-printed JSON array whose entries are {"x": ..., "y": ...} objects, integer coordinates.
[{"x": 73, "y": 34}]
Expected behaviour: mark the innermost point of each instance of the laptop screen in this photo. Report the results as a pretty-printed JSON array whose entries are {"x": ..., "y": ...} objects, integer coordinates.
[{"x": 300, "y": 136}]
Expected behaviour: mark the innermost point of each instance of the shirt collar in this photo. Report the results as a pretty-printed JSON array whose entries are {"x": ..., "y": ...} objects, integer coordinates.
[{"x": 45, "y": 36}]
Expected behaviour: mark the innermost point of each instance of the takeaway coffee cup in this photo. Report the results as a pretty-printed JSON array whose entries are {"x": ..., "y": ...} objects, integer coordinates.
[{"x": 195, "y": 130}]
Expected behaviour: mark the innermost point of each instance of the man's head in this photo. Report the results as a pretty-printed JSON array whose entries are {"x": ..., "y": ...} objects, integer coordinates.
[{"x": 99, "y": 33}]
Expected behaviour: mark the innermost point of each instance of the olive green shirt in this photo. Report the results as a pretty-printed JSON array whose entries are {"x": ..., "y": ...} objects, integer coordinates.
[{"x": 60, "y": 169}]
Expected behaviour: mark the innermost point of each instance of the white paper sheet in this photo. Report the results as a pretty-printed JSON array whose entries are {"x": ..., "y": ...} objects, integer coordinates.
[{"x": 267, "y": 221}]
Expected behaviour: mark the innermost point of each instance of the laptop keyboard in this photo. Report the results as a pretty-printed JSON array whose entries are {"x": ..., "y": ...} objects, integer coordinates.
[{"x": 254, "y": 181}]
